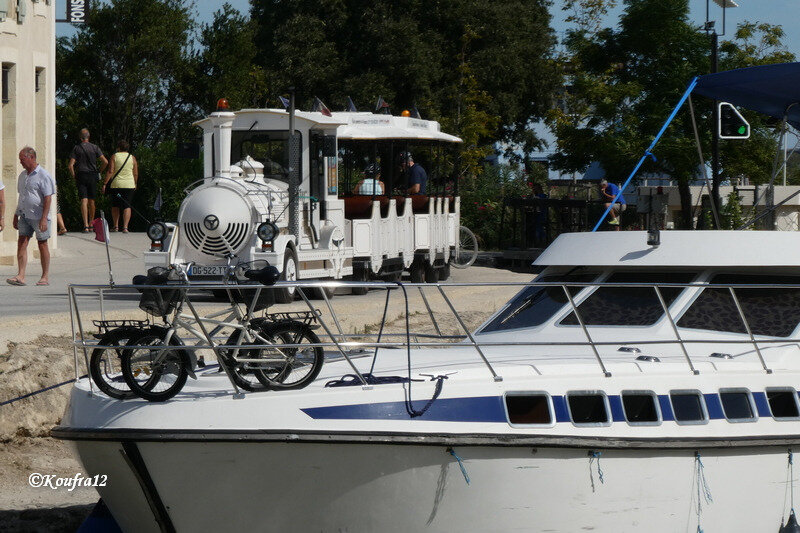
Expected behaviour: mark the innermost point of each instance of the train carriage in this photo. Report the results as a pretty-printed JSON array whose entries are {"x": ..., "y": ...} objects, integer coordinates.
[{"x": 293, "y": 200}]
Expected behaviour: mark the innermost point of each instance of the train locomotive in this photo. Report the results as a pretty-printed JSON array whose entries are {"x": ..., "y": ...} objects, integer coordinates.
[{"x": 291, "y": 199}]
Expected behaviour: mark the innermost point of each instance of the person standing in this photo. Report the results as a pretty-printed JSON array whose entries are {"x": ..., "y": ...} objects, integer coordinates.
[
  {"x": 36, "y": 188},
  {"x": 416, "y": 177},
  {"x": 608, "y": 192},
  {"x": 122, "y": 178},
  {"x": 83, "y": 168}
]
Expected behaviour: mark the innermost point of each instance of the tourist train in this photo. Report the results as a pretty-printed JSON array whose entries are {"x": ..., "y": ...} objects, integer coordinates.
[{"x": 293, "y": 200}]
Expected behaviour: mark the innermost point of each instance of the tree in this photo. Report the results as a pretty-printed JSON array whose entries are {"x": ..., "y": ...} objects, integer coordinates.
[
  {"x": 224, "y": 66},
  {"x": 413, "y": 53},
  {"x": 625, "y": 81},
  {"x": 122, "y": 75}
]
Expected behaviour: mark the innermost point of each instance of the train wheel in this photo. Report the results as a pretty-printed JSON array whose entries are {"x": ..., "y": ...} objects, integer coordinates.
[
  {"x": 287, "y": 295},
  {"x": 417, "y": 270},
  {"x": 431, "y": 273},
  {"x": 360, "y": 275},
  {"x": 444, "y": 272}
]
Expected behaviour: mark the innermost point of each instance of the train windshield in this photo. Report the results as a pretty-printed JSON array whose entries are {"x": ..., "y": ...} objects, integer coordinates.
[{"x": 270, "y": 148}]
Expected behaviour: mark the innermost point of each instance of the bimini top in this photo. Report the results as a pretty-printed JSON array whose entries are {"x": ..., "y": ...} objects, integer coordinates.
[
  {"x": 770, "y": 89},
  {"x": 677, "y": 248},
  {"x": 370, "y": 126}
]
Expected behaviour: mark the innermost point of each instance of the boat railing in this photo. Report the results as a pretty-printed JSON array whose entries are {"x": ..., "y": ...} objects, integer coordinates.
[{"x": 350, "y": 343}]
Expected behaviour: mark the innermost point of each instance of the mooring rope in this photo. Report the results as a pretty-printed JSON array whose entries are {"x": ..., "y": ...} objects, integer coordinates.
[
  {"x": 703, "y": 489},
  {"x": 592, "y": 456},
  {"x": 452, "y": 452},
  {"x": 34, "y": 393}
]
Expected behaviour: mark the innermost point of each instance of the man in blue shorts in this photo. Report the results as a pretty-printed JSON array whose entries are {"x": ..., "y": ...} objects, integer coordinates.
[
  {"x": 609, "y": 191},
  {"x": 36, "y": 188}
]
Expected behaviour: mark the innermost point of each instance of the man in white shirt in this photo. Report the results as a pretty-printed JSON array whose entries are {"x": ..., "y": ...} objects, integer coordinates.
[{"x": 36, "y": 188}]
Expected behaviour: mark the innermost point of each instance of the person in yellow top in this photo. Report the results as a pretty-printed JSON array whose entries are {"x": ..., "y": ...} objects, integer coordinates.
[{"x": 122, "y": 178}]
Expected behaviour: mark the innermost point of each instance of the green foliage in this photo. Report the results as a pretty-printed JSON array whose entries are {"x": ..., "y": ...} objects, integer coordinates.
[
  {"x": 458, "y": 61},
  {"x": 624, "y": 81},
  {"x": 482, "y": 197},
  {"x": 731, "y": 212}
]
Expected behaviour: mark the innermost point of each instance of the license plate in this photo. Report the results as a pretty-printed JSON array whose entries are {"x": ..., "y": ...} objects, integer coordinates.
[{"x": 207, "y": 270}]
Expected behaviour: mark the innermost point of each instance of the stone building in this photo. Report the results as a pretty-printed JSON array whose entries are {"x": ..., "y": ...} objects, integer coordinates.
[{"x": 28, "y": 109}]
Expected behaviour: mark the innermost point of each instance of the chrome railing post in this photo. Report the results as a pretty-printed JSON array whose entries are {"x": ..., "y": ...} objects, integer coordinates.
[
  {"x": 606, "y": 373},
  {"x": 330, "y": 334},
  {"x": 72, "y": 312},
  {"x": 469, "y": 334},
  {"x": 430, "y": 311},
  {"x": 83, "y": 341},
  {"x": 675, "y": 330},
  {"x": 749, "y": 332},
  {"x": 330, "y": 310}
]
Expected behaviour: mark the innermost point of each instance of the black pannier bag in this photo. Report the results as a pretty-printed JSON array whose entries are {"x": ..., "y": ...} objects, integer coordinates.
[{"x": 159, "y": 302}]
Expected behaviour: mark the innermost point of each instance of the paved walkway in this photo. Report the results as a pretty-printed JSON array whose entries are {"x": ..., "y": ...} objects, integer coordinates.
[{"x": 80, "y": 259}]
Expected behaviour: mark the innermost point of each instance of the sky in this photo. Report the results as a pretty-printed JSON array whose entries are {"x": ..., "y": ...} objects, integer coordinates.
[{"x": 781, "y": 12}]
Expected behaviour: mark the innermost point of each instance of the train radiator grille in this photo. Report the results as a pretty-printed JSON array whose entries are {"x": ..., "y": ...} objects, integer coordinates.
[{"x": 230, "y": 241}]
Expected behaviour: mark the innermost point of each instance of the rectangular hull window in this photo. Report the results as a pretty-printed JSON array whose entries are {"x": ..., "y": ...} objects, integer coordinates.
[
  {"x": 640, "y": 407},
  {"x": 588, "y": 408},
  {"x": 688, "y": 407},
  {"x": 783, "y": 403},
  {"x": 528, "y": 409}
]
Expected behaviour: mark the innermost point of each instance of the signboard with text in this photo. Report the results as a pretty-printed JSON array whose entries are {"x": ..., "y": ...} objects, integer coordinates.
[{"x": 77, "y": 11}]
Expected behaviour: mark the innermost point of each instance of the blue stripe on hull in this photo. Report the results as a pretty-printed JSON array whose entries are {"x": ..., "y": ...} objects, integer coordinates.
[{"x": 491, "y": 409}]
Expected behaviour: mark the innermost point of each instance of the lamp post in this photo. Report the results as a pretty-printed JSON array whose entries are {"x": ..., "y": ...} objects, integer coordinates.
[{"x": 714, "y": 38}]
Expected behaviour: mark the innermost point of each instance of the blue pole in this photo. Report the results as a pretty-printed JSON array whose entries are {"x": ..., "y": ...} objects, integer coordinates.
[{"x": 649, "y": 149}]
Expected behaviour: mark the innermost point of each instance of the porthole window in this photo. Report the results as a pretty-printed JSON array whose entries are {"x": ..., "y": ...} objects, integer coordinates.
[
  {"x": 529, "y": 409},
  {"x": 688, "y": 407},
  {"x": 783, "y": 404},
  {"x": 737, "y": 404},
  {"x": 641, "y": 408},
  {"x": 588, "y": 408}
]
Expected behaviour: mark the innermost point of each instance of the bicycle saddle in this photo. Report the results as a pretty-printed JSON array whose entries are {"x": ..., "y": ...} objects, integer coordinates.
[{"x": 266, "y": 276}]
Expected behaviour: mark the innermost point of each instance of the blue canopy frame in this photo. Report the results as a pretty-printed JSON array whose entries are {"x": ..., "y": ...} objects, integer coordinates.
[{"x": 773, "y": 90}]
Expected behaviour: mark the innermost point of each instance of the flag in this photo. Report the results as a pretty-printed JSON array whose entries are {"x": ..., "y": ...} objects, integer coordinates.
[
  {"x": 100, "y": 227},
  {"x": 321, "y": 107},
  {"x": 351, "y": 107},
  {"x": 159, "y": 202},
  {"x": 285, "y": 101},
  {"x": 382, "y": 106}
]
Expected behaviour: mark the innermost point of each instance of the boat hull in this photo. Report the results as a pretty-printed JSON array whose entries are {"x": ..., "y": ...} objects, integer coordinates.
[{"x": 315, "y": 486}]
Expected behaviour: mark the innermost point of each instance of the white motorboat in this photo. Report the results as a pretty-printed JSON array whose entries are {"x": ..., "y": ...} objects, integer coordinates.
[{"x": 630, "y": 386}]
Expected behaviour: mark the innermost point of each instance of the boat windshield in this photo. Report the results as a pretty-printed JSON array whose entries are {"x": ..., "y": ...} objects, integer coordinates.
[
  {"x": 536, "y": 304},
  {"x": 629, "y": 306},
  {"x": 772, "y": 311}
]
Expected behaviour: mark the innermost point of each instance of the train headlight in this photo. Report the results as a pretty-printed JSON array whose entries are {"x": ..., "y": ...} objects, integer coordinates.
[
  {"x": 157, "y": 231},
  {"x": 267, "y": 231}
]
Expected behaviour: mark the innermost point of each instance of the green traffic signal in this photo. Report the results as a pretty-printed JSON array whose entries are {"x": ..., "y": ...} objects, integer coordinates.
[{"x": 742, "y": 130}]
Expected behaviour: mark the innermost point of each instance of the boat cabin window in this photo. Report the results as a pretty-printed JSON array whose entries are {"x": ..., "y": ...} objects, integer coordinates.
[
  {"x": 529, "y": 409},
  {"x": 737, "y": 404},
  {"x": 588, "y": 408},
  {"x": 629, "y": 306},
  {"x": 688, "y": 407},
  {"x": 535, "y": 304},
  {"x": 774, "y": 312},
  {"x": 783, "y": 404},
  {"x": 641, "y": 407},
  {"x": 270, "y": 148}
]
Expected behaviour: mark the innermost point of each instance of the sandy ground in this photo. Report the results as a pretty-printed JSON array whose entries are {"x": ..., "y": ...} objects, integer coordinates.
[{"x": 39, "y": 354}]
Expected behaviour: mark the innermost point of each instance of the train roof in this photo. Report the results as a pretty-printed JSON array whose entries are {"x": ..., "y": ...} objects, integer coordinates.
[
  {"x": 677, "y": 249},
  {"x": 358, "y": 125}
]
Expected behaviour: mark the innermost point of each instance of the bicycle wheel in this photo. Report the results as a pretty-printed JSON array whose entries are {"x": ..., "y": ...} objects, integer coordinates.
[
  {"x": 299, "y": 365},
  {"x": 153, "y": 370},
  {"x": 467, "y": 250},
  {"x": 105, "y": 363},
  {"x": 243, "y": 372}
]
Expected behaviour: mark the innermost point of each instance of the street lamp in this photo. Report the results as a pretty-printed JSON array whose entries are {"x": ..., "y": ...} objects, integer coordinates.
[{"x": 712, "y": 33}]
